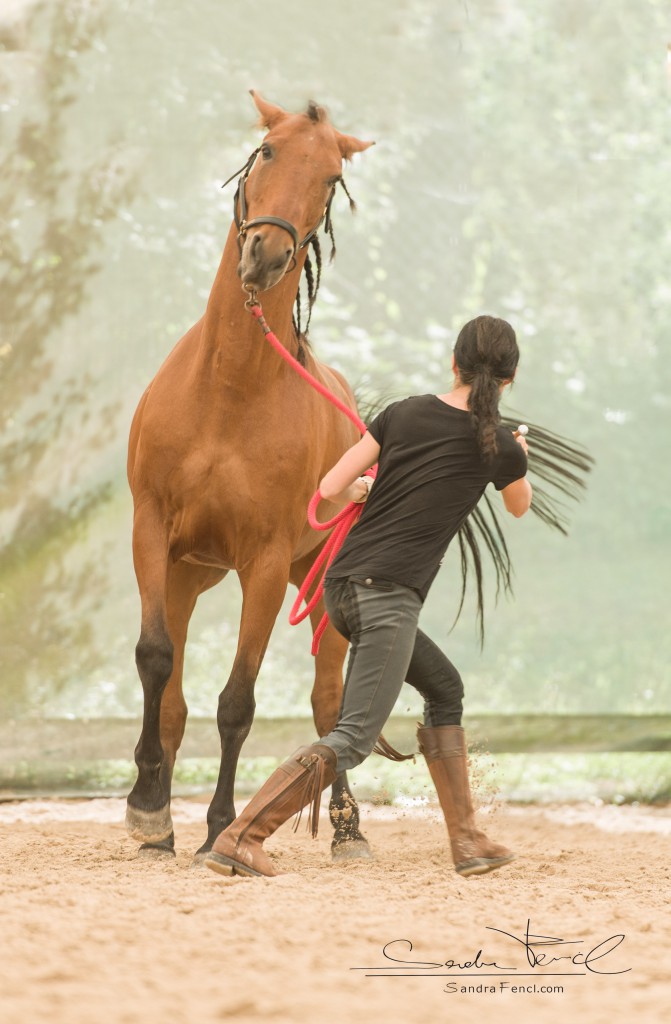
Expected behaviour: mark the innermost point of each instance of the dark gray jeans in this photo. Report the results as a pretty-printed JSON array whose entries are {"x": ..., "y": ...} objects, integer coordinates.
[{"x": 380, "y": 621}]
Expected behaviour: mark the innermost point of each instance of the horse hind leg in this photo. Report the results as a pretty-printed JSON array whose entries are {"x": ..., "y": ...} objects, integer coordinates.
[{"x": 348, "y": 842}]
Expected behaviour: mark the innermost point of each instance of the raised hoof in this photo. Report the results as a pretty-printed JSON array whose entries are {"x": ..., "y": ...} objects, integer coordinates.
[
  {"x": 482, "y": 865},
  {"x": 351, "y": 849},
  {"x": 199, "y": 859},
  {"x": 148, "y": 827},
  {"x": 227, "y": 866}
]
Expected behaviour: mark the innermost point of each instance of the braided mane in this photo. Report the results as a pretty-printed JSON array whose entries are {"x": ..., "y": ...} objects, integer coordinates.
[{"x": 318, "y": 115}]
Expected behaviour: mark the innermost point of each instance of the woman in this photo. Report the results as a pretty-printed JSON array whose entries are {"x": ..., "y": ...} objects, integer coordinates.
[{"x": 436, "y": 454}]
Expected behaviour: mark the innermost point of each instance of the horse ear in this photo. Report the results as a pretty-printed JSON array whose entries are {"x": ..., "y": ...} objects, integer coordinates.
[
  {"x": 349, "y": 145},
  {"x": 270, "y": 113}
]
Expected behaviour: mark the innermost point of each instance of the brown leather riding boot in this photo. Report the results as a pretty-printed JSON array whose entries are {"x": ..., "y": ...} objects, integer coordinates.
[
  {"x": 238, "y": 850},
  {"x": 444, "y": 748}
]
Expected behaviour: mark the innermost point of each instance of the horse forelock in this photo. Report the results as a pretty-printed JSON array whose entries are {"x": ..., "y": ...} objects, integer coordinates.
[{"x": 317, "y": 114}]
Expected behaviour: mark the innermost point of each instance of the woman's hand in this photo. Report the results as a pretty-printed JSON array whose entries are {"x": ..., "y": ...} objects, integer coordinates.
[
  {"x": 341, "y": 484},
  {"x": 361, "y": 489},
  {"x": 520, "y": 436},
  {"x": 522, "y": 441}
]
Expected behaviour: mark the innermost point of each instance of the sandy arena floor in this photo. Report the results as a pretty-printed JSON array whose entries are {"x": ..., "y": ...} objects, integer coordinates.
[{"x": 91, "y": 934}]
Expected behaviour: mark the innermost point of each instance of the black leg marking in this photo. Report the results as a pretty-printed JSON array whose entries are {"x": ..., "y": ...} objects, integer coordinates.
[{"x": 348, "y": 841}]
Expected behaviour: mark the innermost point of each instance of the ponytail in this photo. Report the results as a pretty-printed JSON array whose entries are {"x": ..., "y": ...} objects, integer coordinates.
[
  {"x": 483, "y": 403},
  {"x": 486, "y": 355}
]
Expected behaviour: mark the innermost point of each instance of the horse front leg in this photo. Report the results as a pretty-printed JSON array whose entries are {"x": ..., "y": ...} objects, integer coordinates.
[
  {"x": 185, "y": 583},
  {"x": 348, "y": 841},
  {"x": 148, "y": 807},
  {"x": 264, "y": 585}
]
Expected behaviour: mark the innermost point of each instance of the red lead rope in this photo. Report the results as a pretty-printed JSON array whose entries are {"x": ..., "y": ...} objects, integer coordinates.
[
  {"x": 341, "y": 523},
  {"x": 257, "y": 312}
]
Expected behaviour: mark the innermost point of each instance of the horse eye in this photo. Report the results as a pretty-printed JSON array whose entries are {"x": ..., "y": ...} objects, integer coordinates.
[{"x": 266, "y": 152}]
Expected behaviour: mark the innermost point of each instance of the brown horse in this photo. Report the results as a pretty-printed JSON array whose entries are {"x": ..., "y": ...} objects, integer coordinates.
[{"x": 226, "y": 448}]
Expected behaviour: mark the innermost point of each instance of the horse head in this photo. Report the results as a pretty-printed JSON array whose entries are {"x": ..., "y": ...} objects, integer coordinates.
[{"x": 286, "y": 189}]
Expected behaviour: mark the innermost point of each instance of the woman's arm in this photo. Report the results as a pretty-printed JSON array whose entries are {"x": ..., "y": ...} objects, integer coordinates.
[
  {"x": 341, "y": 484},
  {"x": 517, "y": 497}
]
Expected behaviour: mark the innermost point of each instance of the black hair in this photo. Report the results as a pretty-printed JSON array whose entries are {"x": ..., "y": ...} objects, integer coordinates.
[{"x": 486, "y": 355}]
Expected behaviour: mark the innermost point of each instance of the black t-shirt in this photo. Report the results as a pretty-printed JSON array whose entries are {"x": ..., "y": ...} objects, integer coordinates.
[{"x": 430, "y": 478}]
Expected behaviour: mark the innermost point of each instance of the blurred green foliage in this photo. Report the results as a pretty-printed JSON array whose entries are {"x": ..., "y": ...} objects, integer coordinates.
[{"x": 522, "y": 168}]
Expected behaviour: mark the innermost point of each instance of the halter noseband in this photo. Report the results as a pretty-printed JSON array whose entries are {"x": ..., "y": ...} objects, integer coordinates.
[{"x": 240, "y": 211}]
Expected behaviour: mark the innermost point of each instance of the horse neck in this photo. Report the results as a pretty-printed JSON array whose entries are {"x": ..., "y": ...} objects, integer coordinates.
[{"x": 232, "y": 343}]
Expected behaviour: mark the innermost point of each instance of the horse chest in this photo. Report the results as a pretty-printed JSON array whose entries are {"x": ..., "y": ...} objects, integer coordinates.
[{"x": 230, "y": 517}]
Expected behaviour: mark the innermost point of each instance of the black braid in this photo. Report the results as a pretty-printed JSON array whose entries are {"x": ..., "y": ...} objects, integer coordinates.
[
  {"x": 318, "y": 263},
  {"x": 310, "y": 281},
  {"x": 296, "y": 318},
  {"x": 329, "y": 231},
  {"x": 313, "y": 279},
  {"x": 352, "y": 204}
]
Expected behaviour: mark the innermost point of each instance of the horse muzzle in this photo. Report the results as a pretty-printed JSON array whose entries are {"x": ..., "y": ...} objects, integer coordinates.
[{"x": 265, "y": 258}]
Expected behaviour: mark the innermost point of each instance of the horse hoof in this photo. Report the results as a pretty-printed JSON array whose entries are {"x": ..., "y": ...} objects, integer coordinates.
[
  {"x": 198, "y": 861},
  {"x": 353, "y": 849},
  {"x": 148, "y": 826},
  {"x": 155, "y": 851}
]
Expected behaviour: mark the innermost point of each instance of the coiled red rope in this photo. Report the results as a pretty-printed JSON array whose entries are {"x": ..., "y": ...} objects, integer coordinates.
[{"x": 341, "y": 523}]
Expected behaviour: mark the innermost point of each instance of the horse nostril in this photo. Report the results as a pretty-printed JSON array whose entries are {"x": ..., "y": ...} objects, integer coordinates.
[{"x": 255, "y": 248}]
